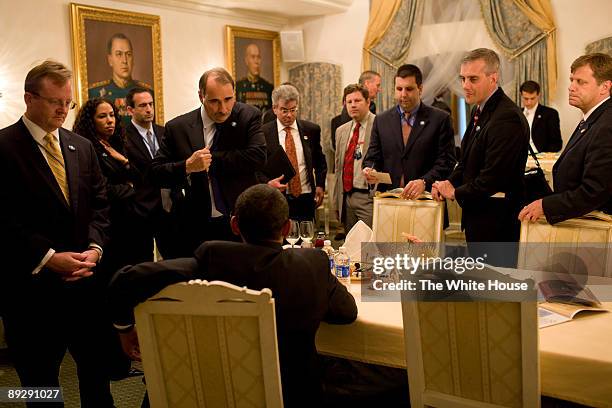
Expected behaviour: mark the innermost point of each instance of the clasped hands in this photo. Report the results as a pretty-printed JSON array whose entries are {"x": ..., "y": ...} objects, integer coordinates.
[
  {"x": 72, "y": 266},
  {"x": 442, "y": 190},
  {"x": 199, "y": 161}
]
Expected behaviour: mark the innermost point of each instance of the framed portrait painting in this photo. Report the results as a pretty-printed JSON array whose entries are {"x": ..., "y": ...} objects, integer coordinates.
[
  {"x": 253, "y": 58},
  {"x": 115, "y": 51}
]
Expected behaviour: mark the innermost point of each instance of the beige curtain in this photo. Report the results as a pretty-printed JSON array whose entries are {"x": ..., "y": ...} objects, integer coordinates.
[
  {"x": 539, "y": 12},
  {"x": 381, "y": 16}
]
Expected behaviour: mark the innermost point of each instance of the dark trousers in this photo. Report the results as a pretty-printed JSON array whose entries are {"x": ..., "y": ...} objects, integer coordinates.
[
  {"x": 302, "y": 207},
  {"x": 59, "y": 317}
]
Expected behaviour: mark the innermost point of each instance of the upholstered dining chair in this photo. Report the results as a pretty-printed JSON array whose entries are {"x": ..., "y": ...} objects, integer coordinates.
[
  {"x": 472, "y": 354},
  {"x": 210, "y": 344}
]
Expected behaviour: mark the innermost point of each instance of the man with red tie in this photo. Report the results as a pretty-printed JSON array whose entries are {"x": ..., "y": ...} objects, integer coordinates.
[
  {"x": 488, "y": 181},
  {"x": 412, "y": 141},
  {"x": 301, "y": 141},
  {"x": 352, "y": 197}
]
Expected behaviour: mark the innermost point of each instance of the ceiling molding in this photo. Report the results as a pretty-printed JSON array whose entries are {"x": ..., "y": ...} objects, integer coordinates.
[{"x": 215, "y": 11}]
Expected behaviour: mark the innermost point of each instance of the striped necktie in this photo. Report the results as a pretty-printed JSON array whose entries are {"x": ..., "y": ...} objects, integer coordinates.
[{"x": 56, "y": 163}]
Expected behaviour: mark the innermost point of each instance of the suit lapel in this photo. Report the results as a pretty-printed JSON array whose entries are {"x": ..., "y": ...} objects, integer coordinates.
[
  {"x": 368, "y": 132},
  {"x": 305, "y": 147},
  {"x": 71, "y": 163},
  {"x": 136, "y": 139},
  {"x": 196, "y": 136},
  {"x": 577, "y": 136},
  {"x": 396, "y": 130}
]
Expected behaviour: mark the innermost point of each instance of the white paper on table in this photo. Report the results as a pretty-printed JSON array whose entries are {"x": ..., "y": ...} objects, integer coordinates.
[
  {"x": 356, "y": 236},
  {"x": 548, "y": 318}
]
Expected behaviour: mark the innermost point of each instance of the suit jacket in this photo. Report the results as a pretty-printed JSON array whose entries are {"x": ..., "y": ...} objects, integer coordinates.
[
  {"x": 304, "y": 291},
  {"x": 310, "y": 135},
  {"x": 582, "y": 174},
  {"x": 239, "y": 150},
  {"x": 493, "y": 158},
  {"x": 343, "y": 134},
  {"x": 429, "y": 153},
  {"x": 147, "y": 194},
  {"x": 34, "y": 214},
  {"x": 545, "y": 130}
]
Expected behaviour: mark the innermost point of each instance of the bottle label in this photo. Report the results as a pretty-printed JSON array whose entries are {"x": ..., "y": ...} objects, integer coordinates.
[{"x": 342, "y": 271}]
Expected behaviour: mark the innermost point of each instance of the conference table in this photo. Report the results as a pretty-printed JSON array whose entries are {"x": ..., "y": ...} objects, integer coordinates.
[{"x": 575, "y": 356}]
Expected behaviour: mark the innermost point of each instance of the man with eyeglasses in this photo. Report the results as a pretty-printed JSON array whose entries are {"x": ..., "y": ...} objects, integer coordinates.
[
  {"x": 54, "y": 217},
  {"x": 353, "y": 201},
  {"x": 301, "y": 142},
  {"x": 211, "y": 154}
]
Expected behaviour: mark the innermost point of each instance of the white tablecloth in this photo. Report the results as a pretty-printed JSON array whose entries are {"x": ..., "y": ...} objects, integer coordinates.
[{"x": 575, "y": 357}]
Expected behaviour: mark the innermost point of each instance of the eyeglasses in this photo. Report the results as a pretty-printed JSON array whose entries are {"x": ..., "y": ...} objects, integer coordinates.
[
  {"x": 56, "y": 102},
  {"x": 285, "y": 111}
]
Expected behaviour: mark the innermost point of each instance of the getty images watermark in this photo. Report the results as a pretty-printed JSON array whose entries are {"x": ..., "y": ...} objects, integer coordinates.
[{"x": 425, "y": 274}]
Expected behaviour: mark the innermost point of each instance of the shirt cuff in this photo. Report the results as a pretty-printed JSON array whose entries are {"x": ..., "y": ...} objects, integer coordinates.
[
  {"x": 123, "y": 328},
  {"x": 43, "y": 261},
  {"x": 98, "y": 249}
]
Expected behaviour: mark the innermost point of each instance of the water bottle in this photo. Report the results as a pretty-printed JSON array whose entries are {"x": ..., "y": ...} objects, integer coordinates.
[
  {"x": 343, "y": 267},
  {"x": 329, "y": 250}
]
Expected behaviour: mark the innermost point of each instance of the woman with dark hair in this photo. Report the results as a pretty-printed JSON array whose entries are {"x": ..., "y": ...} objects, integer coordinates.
[{"x": 99, "y": 121}]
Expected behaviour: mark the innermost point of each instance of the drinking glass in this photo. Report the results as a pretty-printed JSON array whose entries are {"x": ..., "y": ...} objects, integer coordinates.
[
  {"x": 307, "y": 231},
  {"x": 294, "y": 233}
]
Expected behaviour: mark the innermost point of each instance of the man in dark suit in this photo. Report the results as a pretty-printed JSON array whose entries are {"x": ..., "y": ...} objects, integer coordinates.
[
  {"x": 413, "y": 142},
  {"x": 54, "y": 217},
  {"x": 371, "y": 80},
  {"x": 304, "y": 291},
  {"x": 153, "y": 205},
  {"x": 543, "y": 121},
  {"x": 488, "y": 181},
  {"x": 301, "y": 142},
  {"x": 581, "y": 175},
  {"x": 212, "y": 154}
]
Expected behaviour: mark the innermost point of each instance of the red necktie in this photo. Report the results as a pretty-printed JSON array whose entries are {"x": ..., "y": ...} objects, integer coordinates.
[
  {"x": 349, "y": 160},
  {"x": 295, "y": 184}
]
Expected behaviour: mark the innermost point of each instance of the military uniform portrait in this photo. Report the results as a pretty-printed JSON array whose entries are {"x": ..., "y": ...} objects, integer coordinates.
[
  {"x": 254, "y": 60},
  {"x": 115, "y": 51}
]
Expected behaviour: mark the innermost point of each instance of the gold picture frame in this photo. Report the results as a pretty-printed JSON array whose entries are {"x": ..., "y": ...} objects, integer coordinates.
[
  {"x": 243, "y": 44},
  {"x": 93, "y": 30}
]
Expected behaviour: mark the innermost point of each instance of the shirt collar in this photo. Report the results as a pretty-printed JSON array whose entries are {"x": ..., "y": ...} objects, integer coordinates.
[
  {"x": 532, "y": 110},
  {"x": 482, "y": 105},
  {"x": 37, "y": 132},
  {"x": 141, "y": 130},
  {"x": 586, "y": 115},
  {"x": 411, "y": 116},
  {"x": 206, "y": 121},
  {"x": 282, "y": 127}
]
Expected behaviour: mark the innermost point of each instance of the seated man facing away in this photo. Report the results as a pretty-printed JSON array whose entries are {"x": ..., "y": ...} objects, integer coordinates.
[{"x": 304, "y": 290}]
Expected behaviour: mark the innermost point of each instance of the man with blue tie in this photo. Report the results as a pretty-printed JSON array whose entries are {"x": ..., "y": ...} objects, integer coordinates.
[
  {"x": 581, "y": 175},
  {"x": 152, "y": 204},
  {"x": 212, "y": 154},
  {"x": 54, "y": 218}
]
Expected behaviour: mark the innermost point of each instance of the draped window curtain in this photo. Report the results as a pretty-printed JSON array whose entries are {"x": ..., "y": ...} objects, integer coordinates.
[
  {"x": 320, "y": 86},
  {"x": 523, "y": 29}
]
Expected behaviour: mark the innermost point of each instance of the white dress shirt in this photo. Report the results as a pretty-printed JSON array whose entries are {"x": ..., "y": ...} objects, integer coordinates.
[
  {"x": 209, "y": 133},
  {"x": 530, "y": 115},
  {"x": 299, "y": 152}
]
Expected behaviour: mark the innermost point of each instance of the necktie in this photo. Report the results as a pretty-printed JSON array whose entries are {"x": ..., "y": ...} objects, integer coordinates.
[
  {"x": 151, "y": 143},
  {"x": 217, "y": 194},
  {"x": 56, "y": 163},
  {"x": 580, "y": 129},
  {"x": 295, "y": 184},
  {"x": 406, "y": 129},
  {"x": 349, "y": 160}
]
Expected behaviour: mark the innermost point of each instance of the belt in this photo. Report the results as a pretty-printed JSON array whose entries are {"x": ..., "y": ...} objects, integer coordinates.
[{"x": 358, "y": 190}]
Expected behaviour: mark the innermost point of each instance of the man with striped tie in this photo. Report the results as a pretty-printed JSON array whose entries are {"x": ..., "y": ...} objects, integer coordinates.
[{"x": 54, "y": 217}]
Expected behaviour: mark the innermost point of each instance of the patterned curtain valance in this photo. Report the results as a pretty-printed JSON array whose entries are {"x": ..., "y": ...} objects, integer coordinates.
[{"x": 524, "y": 30}]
